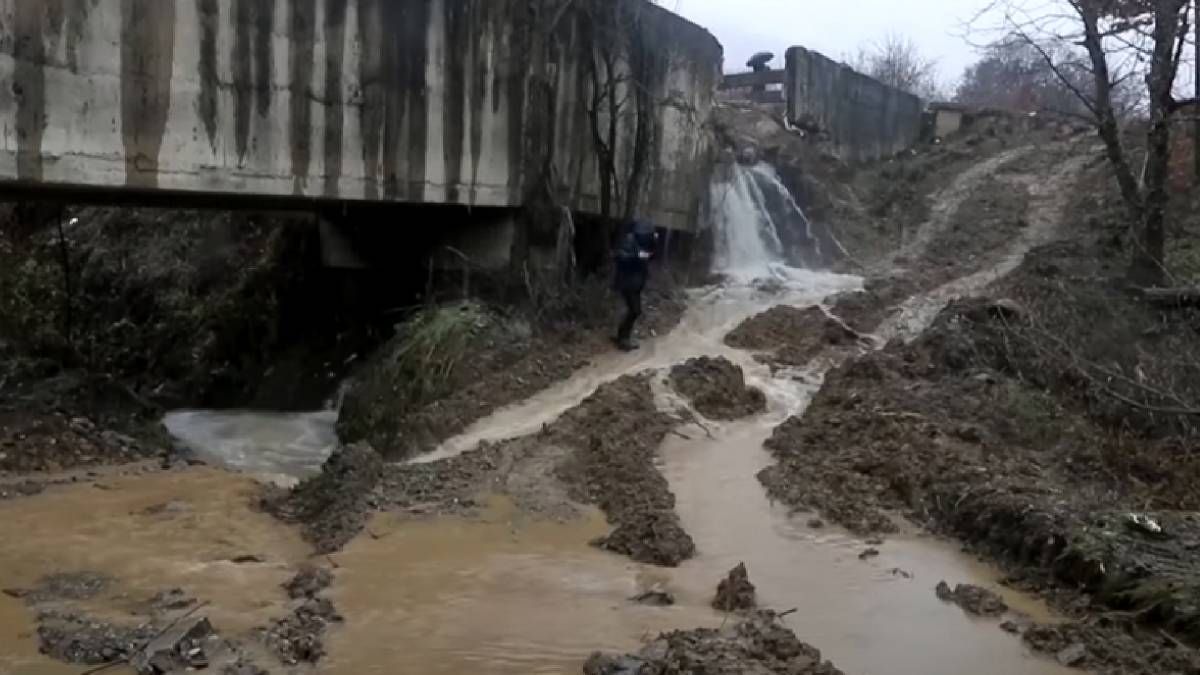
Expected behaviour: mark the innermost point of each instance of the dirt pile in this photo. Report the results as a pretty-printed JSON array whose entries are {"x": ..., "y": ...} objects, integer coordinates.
[
  {"x": 787, "y": 336},
  {"x": 973, "y": 599},
  {"x": 298, "y": 638},
  {"x": 451, "y": 366},
  {"x": 1110, "y": 647},
  {"x": 333, "y": 506},
  {"x": 735, "y": 593},
  {"x": 615, "y": 434},
  {"x": 717, "y": 389},
  {"x": 758, "y": 645}
]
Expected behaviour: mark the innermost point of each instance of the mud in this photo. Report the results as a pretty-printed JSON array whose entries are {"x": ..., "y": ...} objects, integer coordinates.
[
  {"x": 1108, "y": 647},
  {"x": 735, "y": 592},
  {"x": 973, "y": 599},
  {"x": 332, "y": 507},
  {"x": 757, "y": 645},
  {"x": 500, "y": 358},
  {"x": 997, "y": 425},
  {"x": 787, "y": 336},
  {"x": 717, "y": 389}
]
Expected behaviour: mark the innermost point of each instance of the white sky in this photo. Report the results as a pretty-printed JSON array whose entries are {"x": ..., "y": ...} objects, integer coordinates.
[{"x": 834, "y": 27}]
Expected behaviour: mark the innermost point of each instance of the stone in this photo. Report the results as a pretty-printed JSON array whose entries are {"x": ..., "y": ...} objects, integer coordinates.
[
  {"x": 1073, "y": 655},
  {"x": 735, "y": 592}
]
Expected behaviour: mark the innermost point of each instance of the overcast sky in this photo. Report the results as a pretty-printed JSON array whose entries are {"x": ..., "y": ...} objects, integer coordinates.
[{"x": 833, "y": 27}]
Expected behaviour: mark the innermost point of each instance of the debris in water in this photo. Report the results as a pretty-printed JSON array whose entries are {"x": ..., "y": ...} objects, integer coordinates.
[
  {"x": 735, "y": 592},
  {"x": 717, "y": 388},
  {"x": 1072, "y": 656},
  {"x": 869, "y": 553},
  {"x": 760, "y": 644},
  {"x": 308, "y": 582},
  {"x": 973, "y": 599},
  {"x": 1144, "y": 524},
  {"x": 655, "y": 598}
]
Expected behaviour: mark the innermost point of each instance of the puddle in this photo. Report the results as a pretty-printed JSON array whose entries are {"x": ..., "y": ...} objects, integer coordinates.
[{"x": 120, "y": 532}]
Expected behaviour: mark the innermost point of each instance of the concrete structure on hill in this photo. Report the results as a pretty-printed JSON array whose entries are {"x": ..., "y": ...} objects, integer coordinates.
[
  {"x": 861, "y": 117},
  {"x": 470, "y": 102}
]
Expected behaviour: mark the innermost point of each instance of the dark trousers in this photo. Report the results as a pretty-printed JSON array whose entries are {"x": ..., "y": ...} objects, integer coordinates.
[{"x": 633, "y": 310}]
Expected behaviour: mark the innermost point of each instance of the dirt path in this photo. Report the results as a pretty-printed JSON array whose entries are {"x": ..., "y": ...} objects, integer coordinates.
[{"x": 1048, "y": 196}]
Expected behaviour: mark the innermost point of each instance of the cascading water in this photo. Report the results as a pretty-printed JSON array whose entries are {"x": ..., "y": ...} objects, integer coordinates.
[{"x": 750, "y": 206}]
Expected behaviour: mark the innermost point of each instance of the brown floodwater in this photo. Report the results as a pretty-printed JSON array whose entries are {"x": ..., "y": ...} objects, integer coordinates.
[
  {"x": 118, "y": 530},
  {"x": 504, "y": 593}
]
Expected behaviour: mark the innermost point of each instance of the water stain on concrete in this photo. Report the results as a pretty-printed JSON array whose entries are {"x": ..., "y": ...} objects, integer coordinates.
[
  {"x": 209, "y": 15},
  {"x": 29, "y": 87},
  {"x": 147, "y": 59},
  {"x": 301, "y": 62},
  {"x": 335, "y": 49}
]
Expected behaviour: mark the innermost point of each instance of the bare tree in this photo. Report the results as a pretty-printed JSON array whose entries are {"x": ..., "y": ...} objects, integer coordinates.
[
  {"x": 897, "y": 61},
  {"x": 1114, "y": 42}
]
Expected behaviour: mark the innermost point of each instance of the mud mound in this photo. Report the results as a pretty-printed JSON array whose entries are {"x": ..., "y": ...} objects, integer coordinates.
[
  {"x": 451, "y": 366},
  {"x": 735, "y": 592},
  {"x": 652, "y": 537},
  {"x": 1112, "y": 648},
  {"x": 615, "y": 434},
  {"x": 973, "y": 599},
  {"x": 788, "y": 336},
  {"x": 864, "y": 310},
  {"x": 334, "y": 506},
  {"x": 717, "y": 389},
  {"x": 758, "y": 645}
]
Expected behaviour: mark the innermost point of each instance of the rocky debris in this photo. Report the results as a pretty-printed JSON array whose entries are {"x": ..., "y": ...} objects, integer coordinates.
[
  {"x": 735, "y": 593},
  {"x": 191, "y": 644},
  {"x": 974, "y": 599},
  {"x": 786, "y": 336},
  {"x": 53, "y": 441},
  {"x": 1112, "y": 648},
  {"x": 298, "y": 638},
  {"x": 759, "y": 644},
  {"x": 75, "y": 638},
  {"x": 65, "y": 586},
  {"x": 25, "y": 488},
  {"x": 651, "y": 537},
  {"x": 333, "y": 506},
  {"x": 717, "y": 388},
  {"x": 308, "y": 582}
]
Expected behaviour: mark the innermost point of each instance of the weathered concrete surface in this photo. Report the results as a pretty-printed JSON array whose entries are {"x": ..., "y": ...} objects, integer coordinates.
[
  {"x": 864, "y": 118},
  {"x": 397, "y": 100}
]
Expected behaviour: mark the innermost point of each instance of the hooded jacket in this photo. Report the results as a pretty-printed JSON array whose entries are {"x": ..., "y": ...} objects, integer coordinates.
[{"x": 632, "y": 268}]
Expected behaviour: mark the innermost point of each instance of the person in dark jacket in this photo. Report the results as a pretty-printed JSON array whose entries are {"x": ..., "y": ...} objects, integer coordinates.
[{"x": 634, "y": 250}]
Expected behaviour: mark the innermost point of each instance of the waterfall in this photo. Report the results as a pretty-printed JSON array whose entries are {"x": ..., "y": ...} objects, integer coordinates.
[{"x": 750, "y": 206}]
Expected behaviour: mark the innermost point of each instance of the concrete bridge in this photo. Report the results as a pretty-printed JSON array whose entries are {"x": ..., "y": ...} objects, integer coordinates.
[{"x": 470, "y": 102}]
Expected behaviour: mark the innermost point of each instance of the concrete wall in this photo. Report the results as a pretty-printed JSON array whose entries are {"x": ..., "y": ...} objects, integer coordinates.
[
  {"x": 400, "y": 100},
  {"x": 864, "y": 118}
]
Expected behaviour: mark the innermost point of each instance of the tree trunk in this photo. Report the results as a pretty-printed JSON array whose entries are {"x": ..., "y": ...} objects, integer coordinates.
[
  {"x": 1146, "y": 266},
  {"x": 1106, "y": 116}
]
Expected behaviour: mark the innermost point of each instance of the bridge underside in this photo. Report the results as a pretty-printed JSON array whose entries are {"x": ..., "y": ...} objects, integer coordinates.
[{"x": 282, "y": 102}]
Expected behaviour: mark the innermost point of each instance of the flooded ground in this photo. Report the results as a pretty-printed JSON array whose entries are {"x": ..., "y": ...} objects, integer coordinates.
[
  {"x": 507, "y": 592},
  {"x": 148, "y": 534}
]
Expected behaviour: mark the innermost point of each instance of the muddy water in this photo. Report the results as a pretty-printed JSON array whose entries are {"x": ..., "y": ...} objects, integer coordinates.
[
  {"x": 502, "y": 595},
  {"x": 280, "y": 447},
  {"x": 149, "y": 533}
]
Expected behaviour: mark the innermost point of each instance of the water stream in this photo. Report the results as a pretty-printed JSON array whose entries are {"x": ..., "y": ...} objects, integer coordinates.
[{"x": 505, "y": 593}]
